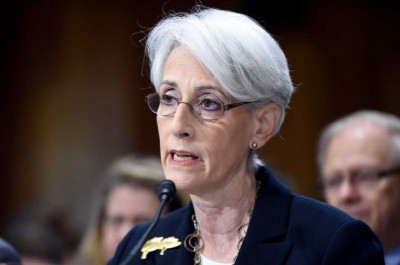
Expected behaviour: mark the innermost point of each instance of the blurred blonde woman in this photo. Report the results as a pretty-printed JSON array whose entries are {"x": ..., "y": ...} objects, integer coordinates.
[{"x": 128, "y": 196}]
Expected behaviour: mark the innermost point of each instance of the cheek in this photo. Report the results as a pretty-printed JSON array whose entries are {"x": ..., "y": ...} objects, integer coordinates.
[
  {"x": 108, "y": 241},
  {"x": 159, "y": 125},
  {"x": 331, "y": 199},
  {"x": 161, "y": 130},
  {"x": 229, "y": 147},
  {"x": 380, "y": 208},
  {"x": 386, "y": 200}
]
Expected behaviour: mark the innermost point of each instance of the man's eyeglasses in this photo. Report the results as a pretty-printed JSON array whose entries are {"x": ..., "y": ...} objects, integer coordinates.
[
  {"x": 209, "y": 108},
  {"x": 362, "y": 179}
]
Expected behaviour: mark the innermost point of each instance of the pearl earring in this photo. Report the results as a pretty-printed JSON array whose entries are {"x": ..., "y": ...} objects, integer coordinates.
[{"x": 254, "y": 145}]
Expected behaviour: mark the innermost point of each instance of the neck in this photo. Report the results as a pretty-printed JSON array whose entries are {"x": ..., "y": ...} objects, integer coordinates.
[
  {"x": 227, "y": 209},
  {"x": 389, "y": 234},
  {"x": 220, "y": 223},
  {"x": 389, "y": 243}
]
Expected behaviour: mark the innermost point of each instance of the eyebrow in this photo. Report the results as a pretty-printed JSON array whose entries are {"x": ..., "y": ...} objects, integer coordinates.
[
  {"x": 198, "y": 88},
  {"x": 167, "y": 82}
]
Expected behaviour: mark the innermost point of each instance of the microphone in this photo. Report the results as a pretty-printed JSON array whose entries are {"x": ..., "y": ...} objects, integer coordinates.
[{"x": 166, "y": 192}]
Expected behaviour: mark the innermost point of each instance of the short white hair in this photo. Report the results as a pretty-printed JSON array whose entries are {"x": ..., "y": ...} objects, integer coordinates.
[
  {"x": 245, "y": 59},
  {"x": 386, "y": 121}
]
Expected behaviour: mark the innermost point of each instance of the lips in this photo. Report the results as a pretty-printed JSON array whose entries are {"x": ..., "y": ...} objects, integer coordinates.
[{"x": 182, "y": 156}]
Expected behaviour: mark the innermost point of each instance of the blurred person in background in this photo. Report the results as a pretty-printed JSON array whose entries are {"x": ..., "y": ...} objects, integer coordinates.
[
  {"x": 43, "y": 234},
  {"x": 8, "y": 254},
  {"x": 128, "y": 196},
  {"x": 359, "y": 164}
]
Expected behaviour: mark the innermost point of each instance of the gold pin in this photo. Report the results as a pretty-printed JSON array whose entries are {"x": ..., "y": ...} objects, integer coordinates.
[{"x": 159, "y": 243}]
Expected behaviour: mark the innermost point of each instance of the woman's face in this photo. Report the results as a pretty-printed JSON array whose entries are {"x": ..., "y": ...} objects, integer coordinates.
[
  {"x": 201, "y": 156},
  {"x": 126, "y": 207}
]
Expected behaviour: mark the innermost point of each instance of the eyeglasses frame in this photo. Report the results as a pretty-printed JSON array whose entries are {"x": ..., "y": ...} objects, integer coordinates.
[
  {"x": 393, "y": 171},
  {"x": 226, "y": 107}
]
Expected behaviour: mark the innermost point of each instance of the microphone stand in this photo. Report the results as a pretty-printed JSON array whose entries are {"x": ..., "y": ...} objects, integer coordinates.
[{"x": 166, "y": 191}]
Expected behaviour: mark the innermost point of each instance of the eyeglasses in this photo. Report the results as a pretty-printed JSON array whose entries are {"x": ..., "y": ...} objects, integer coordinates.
[
  {"x": 209, "y": 108},
  {"x": 363, "y": 179}
]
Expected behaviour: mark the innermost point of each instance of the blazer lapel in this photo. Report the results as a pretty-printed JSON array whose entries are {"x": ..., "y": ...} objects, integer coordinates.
[
  {"x": 269, "y": 253},
  {"x": 268, "y": 226},
  {"x": 183, "y": 229}
]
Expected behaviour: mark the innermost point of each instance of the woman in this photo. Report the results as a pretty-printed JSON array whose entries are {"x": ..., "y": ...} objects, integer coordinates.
[
  {"x": 222, "y": 86},
  {"x": 128, "y": 197}
]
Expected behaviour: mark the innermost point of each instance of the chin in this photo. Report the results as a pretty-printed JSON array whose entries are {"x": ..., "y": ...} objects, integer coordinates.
[
  {"x": 174, "y": 177},
  {"x": 360, "y": 216},
  {"x": 182, "y": 183}
]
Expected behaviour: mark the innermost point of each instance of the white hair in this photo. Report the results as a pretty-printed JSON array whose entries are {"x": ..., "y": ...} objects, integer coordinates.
[
  {"x": 386, "y": 121},
  {"x": 243, "y": 57}
]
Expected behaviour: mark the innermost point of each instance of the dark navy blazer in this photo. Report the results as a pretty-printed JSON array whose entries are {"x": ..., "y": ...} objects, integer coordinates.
[{"x": 285, "y": 228}]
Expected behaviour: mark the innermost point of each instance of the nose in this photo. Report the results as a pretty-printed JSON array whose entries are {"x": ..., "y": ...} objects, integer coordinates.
[
  {"x": 188, "y": 109},
  {"x": 348, "y": 192},
  {"x": 182, "y": 121}
]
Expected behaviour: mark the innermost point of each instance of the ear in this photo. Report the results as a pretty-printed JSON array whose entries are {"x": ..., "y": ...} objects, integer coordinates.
[{"x": 267, "y": 119}]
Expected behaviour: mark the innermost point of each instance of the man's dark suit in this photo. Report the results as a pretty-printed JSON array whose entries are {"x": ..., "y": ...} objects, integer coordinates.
[{"x": 285, "y": 229}]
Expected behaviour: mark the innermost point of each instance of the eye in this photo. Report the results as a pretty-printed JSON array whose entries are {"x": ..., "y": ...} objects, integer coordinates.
[
  {"x": 366, "y": 176},
  {"x": 168, "y": 99},
  {"x": 210, "y": 104},
  {"x": 333, "y": 182},
  {"x": 115, "y": 221}
]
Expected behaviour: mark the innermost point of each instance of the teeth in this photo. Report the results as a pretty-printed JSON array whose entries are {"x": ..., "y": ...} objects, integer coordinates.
[{"x": 177, "y": 157}]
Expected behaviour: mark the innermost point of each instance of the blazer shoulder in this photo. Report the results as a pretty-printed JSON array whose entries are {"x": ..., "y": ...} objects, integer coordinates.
[
  {"x": 317, "y": 210},
  {"x": 337, "y": 237}
]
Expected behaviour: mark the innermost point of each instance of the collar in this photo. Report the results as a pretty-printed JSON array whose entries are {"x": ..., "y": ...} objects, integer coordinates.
[{"x": 393, "y": 257}]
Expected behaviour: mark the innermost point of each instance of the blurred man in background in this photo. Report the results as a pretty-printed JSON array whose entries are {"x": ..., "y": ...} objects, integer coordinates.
[{"x": 359, "y": 166}]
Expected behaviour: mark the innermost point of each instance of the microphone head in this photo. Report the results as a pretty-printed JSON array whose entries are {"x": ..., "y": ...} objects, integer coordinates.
[{"x": 166, "y": 190}]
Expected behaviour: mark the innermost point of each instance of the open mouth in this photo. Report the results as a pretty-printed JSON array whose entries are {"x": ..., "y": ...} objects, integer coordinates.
[{"x": 183, "y": 157}]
